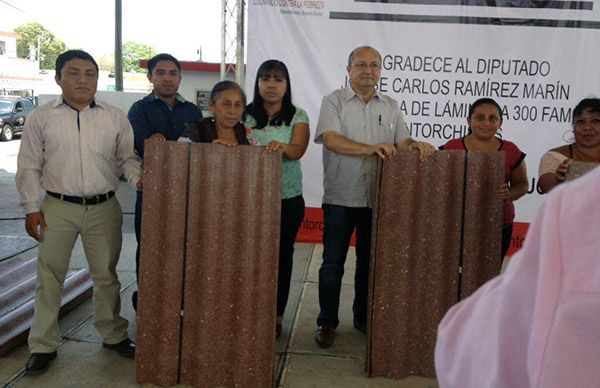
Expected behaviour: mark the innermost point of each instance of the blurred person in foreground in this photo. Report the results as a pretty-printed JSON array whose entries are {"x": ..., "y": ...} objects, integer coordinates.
[{"x": 538, "y": 324}]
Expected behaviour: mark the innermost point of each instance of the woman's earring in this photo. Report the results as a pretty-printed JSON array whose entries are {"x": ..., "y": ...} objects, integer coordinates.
[{"x": 569, "y": 139}]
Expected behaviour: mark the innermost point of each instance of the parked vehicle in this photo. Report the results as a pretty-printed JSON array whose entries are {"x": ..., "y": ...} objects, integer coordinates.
[{"x": 13, "y": 112}]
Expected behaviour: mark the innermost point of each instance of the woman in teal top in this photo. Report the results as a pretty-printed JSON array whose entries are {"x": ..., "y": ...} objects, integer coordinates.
[{"x": 279, "y": 125}]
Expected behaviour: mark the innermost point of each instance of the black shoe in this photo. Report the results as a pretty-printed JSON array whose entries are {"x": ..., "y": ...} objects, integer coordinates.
[
  {"x": 38, "y": 363},
  {"x": 325, "y": 336},
  {"x": 134, "y": 300},
  {"x": 360, "y": 327},
  {"x": 126, "y": 348}
]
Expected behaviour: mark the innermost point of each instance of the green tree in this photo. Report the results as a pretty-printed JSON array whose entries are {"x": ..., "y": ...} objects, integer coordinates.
[
  {"x": 106, "y": 62},
  {"x": 33, "y": 34},
  {"x": 132, "y": 53}
]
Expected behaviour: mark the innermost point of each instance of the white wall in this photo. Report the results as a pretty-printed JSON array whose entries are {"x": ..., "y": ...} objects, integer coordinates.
[
  {"x": 194, "y": 81},
  {"x": 191, "y": 83},
  {"x": 10, "y": 42}
]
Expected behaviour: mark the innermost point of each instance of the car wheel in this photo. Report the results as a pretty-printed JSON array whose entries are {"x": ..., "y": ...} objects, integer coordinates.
[{"x": 7, "y": 133}]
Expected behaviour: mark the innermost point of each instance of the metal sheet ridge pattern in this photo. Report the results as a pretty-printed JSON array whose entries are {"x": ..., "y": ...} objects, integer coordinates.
[
  {"x": 231, "y": 266},
  {"x": 419, "y": 243},
  {"x": 161, "y": 262}
]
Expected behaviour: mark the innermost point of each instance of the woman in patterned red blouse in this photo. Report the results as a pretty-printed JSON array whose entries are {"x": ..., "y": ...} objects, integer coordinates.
[{"x": 485, "y": 119}]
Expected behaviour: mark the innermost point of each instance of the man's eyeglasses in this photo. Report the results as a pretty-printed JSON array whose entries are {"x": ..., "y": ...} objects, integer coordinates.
[{"x": 363, "y": 66}]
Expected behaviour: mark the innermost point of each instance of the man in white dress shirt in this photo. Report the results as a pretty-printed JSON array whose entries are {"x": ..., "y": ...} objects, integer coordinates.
[{"x": 75, "y": 148}]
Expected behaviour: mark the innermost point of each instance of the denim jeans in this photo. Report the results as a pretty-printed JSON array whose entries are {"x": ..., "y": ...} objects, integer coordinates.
[
  {"x": 340, "y": 222},
  {"x": 292, "y": 213}
]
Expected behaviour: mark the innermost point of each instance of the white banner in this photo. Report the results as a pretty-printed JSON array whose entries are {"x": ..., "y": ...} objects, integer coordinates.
[{"x": 537, "y": 59}]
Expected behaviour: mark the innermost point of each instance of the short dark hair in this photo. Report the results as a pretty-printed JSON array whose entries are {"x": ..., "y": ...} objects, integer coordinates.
[
  {"x": 591, "y": 104},
  {"x": 256, "y": 107},
  {"x": 72, "y": 54},
  {"x": 162, "y": 57},
  {"x": 223, "y": 86}
]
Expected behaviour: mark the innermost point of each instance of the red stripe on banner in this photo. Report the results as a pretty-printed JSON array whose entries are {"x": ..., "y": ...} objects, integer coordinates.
[
  {"x": 311, "y": 230},
  {"x": 518, "y": 237}
]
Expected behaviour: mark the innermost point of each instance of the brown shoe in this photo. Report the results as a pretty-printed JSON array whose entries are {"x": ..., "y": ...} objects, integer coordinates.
[{"x": 325, "y": 336}]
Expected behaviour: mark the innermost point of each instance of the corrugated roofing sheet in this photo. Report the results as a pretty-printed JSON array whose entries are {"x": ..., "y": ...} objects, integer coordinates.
[
  {"x": 230, "y": 277},
  {"x": 231, "y": 266},
  {"x": 483, "y": 220},
  {"x": 419, "y": 229},
  {"x": 18, "y": 280},
  {"x": 161, "y": 262}
]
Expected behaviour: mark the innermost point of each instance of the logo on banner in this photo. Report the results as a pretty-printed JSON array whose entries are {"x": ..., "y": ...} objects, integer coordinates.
[{"x": 294, "y": 7}]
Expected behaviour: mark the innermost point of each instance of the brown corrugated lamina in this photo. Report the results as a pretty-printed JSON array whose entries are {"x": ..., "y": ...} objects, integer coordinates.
[
  {"x": 483, "y": 220},
  {"x": 577, "y": 169},
  {"x": 416, "y": 251},
  {"x": 161, "y": 262},
  {"x": 415, "y": 259},
  {"x": 231, "y": 266}
]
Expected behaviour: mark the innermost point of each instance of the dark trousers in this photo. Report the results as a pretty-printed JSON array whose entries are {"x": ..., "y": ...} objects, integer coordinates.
[
  {"x": 137, "y": 223},
  {"x": 506, "y": 238},
  {"x": 292, "y": 213},
  {"x": 340, "y": 222}
]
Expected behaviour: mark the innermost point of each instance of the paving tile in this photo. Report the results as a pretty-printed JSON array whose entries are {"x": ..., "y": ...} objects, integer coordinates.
[
  {"x": 14, "y": 239},
  {"x": 12, "y": 363},
  {"x": 84, "y": 364},
  {"x": 9, "y": 206},
  {"x": 348, "y": 343},
  {"x": 78, "y": 325},
  {"x": 302, "y": 258},
  {"x": 309, "y": 371},
  {"x": 315, "y": 263}
]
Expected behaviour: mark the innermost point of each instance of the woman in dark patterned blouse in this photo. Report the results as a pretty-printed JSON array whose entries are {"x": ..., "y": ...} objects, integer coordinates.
[{"x": 227, "y": 103}]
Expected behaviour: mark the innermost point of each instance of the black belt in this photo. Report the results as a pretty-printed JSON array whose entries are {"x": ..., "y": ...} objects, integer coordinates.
[{"x": 93, "y": 200}]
